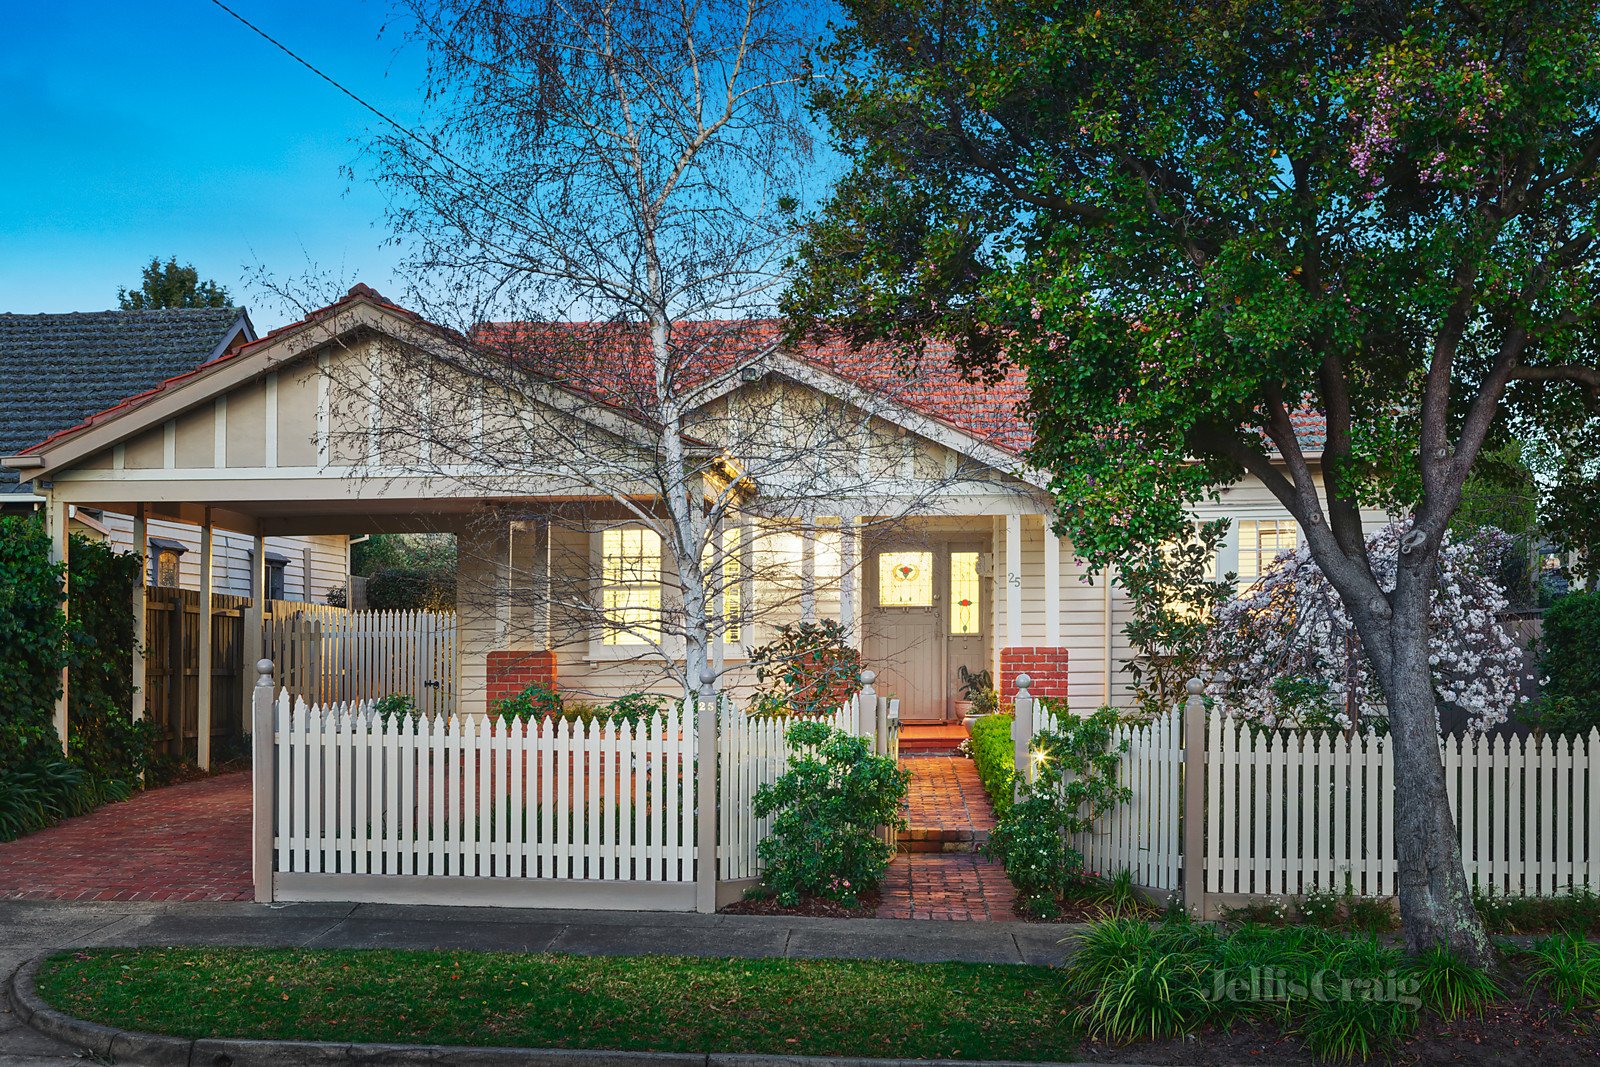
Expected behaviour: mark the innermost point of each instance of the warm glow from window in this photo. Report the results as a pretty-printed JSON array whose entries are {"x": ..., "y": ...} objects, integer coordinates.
[
  {"x": 1260, "y": 542},
  {"x": 730, "y": 583},
  {"x": 630, "y": 585},
  {"x": 905, "y": 579},
  {"x": 966, "y": 594}
]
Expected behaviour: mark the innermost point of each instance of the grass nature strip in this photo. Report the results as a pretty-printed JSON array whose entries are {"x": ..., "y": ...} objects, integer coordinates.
[{"x": 671, "y": 1004}]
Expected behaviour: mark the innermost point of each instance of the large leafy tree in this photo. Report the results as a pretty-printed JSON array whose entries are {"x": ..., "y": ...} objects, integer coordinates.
[
  {"x": 1194, "y": 224},
  {"x": 172, "y": 285}
]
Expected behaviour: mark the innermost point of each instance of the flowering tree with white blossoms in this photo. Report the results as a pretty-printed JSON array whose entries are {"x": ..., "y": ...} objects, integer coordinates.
[{"x": 1285, "y": 652}]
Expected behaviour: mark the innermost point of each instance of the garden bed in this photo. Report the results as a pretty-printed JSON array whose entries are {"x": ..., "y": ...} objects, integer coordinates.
[{"x": 809, "y": 907}]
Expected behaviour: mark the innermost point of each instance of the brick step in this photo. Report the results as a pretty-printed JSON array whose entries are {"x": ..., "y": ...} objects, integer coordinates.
[
  {"x": 932, "y": 839},
  {"x": 929, "y": 746}
]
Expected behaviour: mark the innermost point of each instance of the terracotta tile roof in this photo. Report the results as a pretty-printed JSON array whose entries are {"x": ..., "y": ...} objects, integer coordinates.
[{"x": 613, "y": 363}]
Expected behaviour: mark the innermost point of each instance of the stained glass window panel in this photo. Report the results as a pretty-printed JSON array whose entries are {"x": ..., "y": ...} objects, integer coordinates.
[
  {"x": 966, "y": 596},
  {"x": 905, "y": 579}
]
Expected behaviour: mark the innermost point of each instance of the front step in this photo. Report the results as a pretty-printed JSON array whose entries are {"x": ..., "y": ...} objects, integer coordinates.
[
  {"x": 928, "y": 839},
  {"x": 931, "y": 739}
]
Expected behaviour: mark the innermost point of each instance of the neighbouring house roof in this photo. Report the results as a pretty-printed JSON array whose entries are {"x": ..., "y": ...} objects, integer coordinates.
[{"x": 57, "y": 370}]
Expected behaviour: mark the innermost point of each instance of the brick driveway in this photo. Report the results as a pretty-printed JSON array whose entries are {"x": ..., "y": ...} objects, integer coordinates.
[
  {"x": 949, "y": 813},
  {"x": 183, "y": 842}
]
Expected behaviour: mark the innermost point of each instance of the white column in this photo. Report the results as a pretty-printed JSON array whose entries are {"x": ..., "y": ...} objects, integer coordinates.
[
  {"x": 255, "y": 619},
  {"x": 58, "y": 516},
  {"x": 203, "y": 727},
  {"x": 719, "y": 597},
  {"x": 140, "y": 609},
  {"x": 849, "y": 549},
  {"x": 1013, "y": 578},
  {"x": 808, "y": 569},
  {"x": 1052, "y": 586}
]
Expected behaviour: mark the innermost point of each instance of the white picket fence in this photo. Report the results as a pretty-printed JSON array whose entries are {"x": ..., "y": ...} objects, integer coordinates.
[
  {"x": 328, "y": 655},
  {"x": 484, "y": 797},
  {"x": 1287, "y": 813},
  {"x": 357, "y": 796}
]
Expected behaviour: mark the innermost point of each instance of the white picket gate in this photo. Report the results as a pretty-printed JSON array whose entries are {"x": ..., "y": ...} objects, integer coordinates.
[{"x": 328, "y": 655}]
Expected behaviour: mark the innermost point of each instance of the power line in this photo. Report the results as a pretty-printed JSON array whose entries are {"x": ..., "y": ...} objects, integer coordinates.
[{"x": 409, "y": 133}]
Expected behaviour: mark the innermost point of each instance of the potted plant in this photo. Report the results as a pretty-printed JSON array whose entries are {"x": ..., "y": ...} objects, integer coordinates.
[{"x": 978, "y": 694}]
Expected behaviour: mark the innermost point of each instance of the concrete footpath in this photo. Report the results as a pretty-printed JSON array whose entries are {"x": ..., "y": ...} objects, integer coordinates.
[{"x": 29, "y": 928}]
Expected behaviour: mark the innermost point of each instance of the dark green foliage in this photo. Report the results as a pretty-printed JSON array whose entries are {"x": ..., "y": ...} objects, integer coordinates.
[
  {"x": 1449, "y": 986},
  {"x": 1172, "y": 600},
  {"x": 400, "y": 589},
  {"x": 1567, "y": 966},
  {"x": 108, "y": 750},
  {"x": 1074, "y": 783},
  {"x": 170, "y": 285},
  {"x": 1569, "y": 666},
  {"x": 104, "y": 739},
  {"x": 827, "y": 809},
  {"x": 1349, "y": 998},
  {"x": 394, "y": 706},
  {"x": 541, "y": 701},
  {"x": 811, "y": 669},
  {"x": 1577, "y": 911},
  {"x": 995, "y": 756}
]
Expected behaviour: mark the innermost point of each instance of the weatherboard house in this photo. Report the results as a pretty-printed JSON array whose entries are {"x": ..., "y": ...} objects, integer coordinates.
[{"x": 269, "y": 439}]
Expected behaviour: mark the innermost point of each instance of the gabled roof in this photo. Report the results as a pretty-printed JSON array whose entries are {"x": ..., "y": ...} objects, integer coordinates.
[
  {"x": 612, "y": 363},
  {"x": 56, "y": 370}
]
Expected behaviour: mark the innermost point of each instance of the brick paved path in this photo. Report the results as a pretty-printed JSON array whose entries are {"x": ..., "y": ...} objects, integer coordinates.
[
  {"x": 183, "y": 842},
  {"x": 938, "y": 874}
]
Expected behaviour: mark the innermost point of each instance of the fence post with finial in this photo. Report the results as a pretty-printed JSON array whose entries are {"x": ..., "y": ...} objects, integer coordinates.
[
  {"x": 1022, "y": 733},
  {"x": 705, "y": 791},
  {"x": 1194, "y": 800},
  {"x": 867, "y": 710},
  {"x": 263, "y": 780}
]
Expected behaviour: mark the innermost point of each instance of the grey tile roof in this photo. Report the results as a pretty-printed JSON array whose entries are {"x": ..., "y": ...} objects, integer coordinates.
[{"x": 56, "y": 370}]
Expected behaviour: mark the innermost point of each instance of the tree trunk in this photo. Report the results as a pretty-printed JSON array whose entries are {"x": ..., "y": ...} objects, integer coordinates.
[{"x": 1435, "y": 900}]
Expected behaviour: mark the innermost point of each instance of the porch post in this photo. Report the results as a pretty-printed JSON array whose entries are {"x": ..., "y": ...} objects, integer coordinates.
[
  {"x": 1013, "y": 574},
  {"x": 848, "y": 550},
  {"x": 808, "y": 568},
  {"x": 263, "y": 779},
  {"x": 140, "y": 609},
  {"x": 203, "y": 715},
  {"x": 1194, "y": 801},
  {"x": 1022, "y": 733},
  {"x": 1052, "y": 586},
  {"x": 719, "y": 598},
  {"x": 57, "y": 517},
  {"x": 705, "y": 793},
  {"x": 255, "y": 617}
]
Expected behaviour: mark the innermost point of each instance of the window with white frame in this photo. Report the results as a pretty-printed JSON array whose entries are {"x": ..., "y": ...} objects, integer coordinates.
[
  {"x": 1260, "y": 542},
  {"x": 730, "y": 583},
  {"x": 630, "y": 586}
]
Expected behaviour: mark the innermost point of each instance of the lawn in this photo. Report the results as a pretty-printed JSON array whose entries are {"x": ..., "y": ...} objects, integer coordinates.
[{"x": 813, "y": 1007}]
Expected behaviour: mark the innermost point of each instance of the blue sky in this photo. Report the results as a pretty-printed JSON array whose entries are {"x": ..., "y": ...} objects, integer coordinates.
[{"x": 167, "y": 128}]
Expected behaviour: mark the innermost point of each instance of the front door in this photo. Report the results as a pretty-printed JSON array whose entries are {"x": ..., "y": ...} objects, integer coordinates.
[{"x": 924, "y": 620}]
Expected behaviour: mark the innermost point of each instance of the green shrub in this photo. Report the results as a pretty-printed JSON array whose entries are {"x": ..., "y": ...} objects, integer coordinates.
[
  {"x": 995, "y": 756},
  {"x": 394, "y": 706},
  {"x": 826, "y": 809},
  {"x": 1449, "y": 986},
  {"x": 1567, "y": 967},
  {"x": 1074, "y": 783},
  {"x": 103, "y": 737},
  {"x": 810, "y": 670},
  {"x": 977, "y": 689},
  {"x": 1576, "y": 911},
  {"x": 541, "y": 701},
  {"x": 1569, "y": 666}
]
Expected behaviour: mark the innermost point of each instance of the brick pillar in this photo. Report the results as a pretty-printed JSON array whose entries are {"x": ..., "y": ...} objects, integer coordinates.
[
  {"x": 1045, "y": 666},
  {"x": 509, "y": 673}
]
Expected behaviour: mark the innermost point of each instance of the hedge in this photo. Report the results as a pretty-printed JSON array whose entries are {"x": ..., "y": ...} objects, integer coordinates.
[
  {"x": 1569, "y": 666},
  {"x": 993, "y": 752}
]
